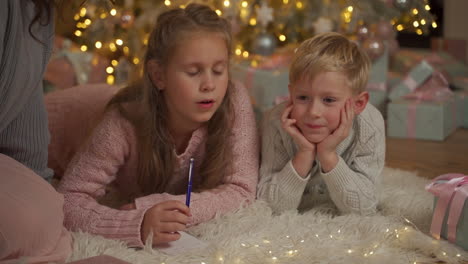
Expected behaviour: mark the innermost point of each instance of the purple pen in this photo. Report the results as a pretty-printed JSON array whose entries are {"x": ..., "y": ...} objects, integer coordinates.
[{"x": 189, "y": 186}]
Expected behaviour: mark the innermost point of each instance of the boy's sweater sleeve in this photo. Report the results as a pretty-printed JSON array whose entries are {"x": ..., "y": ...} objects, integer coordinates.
[
  {"x": 238, "y": 187},
  {"x": 352, "y": 185},
  {"x": 86, "y": 177},
  {"x": 280, "y": 185}
]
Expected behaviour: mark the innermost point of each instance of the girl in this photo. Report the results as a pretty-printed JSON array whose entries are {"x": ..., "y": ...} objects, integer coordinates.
[{"x": 184, "y": 107}]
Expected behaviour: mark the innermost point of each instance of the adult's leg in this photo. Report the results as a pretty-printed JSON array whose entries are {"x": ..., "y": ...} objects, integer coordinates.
[{"x": 31, "y": 217}]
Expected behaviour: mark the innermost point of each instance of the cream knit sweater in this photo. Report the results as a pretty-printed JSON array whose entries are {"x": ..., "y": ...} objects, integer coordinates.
[{"x": 351, "y": 185}]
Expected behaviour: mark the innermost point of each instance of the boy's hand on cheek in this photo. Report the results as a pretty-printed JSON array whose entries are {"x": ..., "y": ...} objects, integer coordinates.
[
  {"x": 289, "y": 125},
  {"x": 304, "y": 158},
  {"x": 326, "y": 150}
]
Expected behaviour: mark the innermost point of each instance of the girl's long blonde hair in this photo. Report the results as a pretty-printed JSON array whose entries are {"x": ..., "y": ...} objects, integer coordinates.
[{"x": 156, "y": 148}]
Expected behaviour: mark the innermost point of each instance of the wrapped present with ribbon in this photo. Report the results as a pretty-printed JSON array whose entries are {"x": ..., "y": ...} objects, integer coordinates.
[
  {"x": 413, "y": 80},
  {"x": 450, "y": 217},
  {"x": 462, "y": 103},
  {"x": 377, "y": 85},
  {"x": 264, "y": 81},
  {"x": 431, "y": 112},
  {"x": 405, "y": 59},
  {"x": 455, "y": 47}
]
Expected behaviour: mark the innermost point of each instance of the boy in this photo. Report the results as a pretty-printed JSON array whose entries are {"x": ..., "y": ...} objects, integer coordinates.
[{"x": 327, "y": 142}]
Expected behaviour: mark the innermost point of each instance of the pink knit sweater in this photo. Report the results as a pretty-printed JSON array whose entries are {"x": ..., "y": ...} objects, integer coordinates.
[{"x": 111, "y": 154}]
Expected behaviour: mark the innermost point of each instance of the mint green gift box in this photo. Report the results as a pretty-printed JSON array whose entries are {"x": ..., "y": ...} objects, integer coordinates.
[
  {"x": 461, "y": 238},
  {"x": 416, "y": 77},
  {"x": 377, "y": 84},
  {"x": 264, "y": 85},
  {"x": 407, "y": 118},
  {"x": 462, "y": 102}
]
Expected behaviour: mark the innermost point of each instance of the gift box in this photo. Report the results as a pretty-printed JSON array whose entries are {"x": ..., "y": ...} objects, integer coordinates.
[
  {"x": 405, "y": 59},
  {"x": 265, "y": 85},
  {"x": 450, "y": 216},
  {"x": 413, "y": 79},
  {"x": 455, "y": 47},
  {"x": 462, "y": 103},
  {"x": 379, "y": 99}
]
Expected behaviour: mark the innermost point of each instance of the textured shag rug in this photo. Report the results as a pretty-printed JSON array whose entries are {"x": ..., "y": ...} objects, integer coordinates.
[{"x": 397, "y": 234}]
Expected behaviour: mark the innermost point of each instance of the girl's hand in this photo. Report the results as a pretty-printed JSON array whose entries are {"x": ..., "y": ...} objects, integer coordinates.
[
  {"x": 326, "y": 150},
  {"x": 130, "y": 206},
  {"x": 289, "y": 125},
  {"x": 165, "y": 220}
]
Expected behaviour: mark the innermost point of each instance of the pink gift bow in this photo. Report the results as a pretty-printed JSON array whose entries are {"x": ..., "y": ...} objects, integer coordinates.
[
  {"x": 435, "y": 89},
  {"x": 454, "y": 192}
]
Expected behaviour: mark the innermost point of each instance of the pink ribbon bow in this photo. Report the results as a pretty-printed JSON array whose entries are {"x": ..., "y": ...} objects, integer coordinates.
[
  {"x": 452, "y": 189},
  {"x": 436, "y": 88}
]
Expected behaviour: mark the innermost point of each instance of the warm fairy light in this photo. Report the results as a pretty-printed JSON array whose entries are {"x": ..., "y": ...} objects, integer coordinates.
[
  {"x": 245, "y": 54},
  {"x": 266, "y": 241},
  {"x": 423, "y": 22},
  {"x": 434, "y": 24},
  {"x": 136, "y": 60},
  {"x": 365, "y": 254},
  {"x": 115, "y": 62},
  {"x": 339, "y": 230},
  {"x": 98, "y": 44},
  {"x": 302, "y": 241},
  {"x": 299, "y": 5},
  {"x": 244, "y": 245},
  {"x": 87, "y": 22},
  {"x": 316, "y": 235},
  {"x": 371, "y": 253},
  {"x": 400, "y": 27},
  {"x": 254, "y": 64},
  {"x": 282, "y": 37},
  {"x": 126, "y": 50},
  {"x": 274, "y": 258},
  {"x": 256, "y": 246},
  {"x": 79, "y": 25},
  {"x": 83, "y": 48},
  {"x": 427, "y": 7},
  {"x": 346, "y": 16},
  {"x": 350, "y": 251},
  {"x": 458, "y": 255},
  {"x": 415, "y": 24},
  {"x": 77, "y": 17},
  {"x": 218, "y": 12},
  {"x": 167, "y": 2},
  {"x": 112, "y": 47},
  {"x": 387, "y": 230},
  {"x": 415, "y": 11},
  {"x": 182, "y": 6},
  {"x": 285, "y": 2},
  {"x": 244, "y": 4},
  {"x": 397, "y": 236},
  {"x": 331, "y": 236},
  {"x": 103, "y": 15},
  {"x": 350, "y": 9},
  {"x": 226, "y": 3},
  {"x": 109, "y": 70},
  {"x": 238, "y": 52},
  {"x": 392, "y": 22},
  {"x": 443, "y": 253},
  {"x": 110, "y": 79},
  {"x": 221, "y": 259},
  {"x": 78, "y": 33},
  {"x": 119, "y": 42},
  {"x": 253, "y": 21},
  {"x": 83, "y": 11},
  {"x": 113, "y": 12}
]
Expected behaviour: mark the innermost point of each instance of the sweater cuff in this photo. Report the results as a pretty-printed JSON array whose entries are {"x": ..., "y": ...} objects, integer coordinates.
[
  {"x": 128, "y": 229},
  {"x": 338, "y": 178},
  {"x": 290, "y": 181}
]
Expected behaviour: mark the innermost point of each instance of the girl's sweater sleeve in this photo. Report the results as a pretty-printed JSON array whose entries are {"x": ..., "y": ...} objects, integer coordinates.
[
  {"x": 280, "y": 185},
  {"x": 86, "y": 177},
  {"x": 240, "y": 185},
  {"x": 352, "y": 184}
]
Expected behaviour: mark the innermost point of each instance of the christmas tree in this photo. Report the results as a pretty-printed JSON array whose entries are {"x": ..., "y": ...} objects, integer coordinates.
[{"x": 119, "y": 29}]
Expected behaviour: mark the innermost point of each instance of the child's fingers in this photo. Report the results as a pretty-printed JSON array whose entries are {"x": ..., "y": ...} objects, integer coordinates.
[
  {"x": 286, "y": 113},
  {"x": 174, "y": 216},
  {"x": 175, "y": 205},
  {"x": 160, "y": 238},
  {"x": 171, "y": 227}
]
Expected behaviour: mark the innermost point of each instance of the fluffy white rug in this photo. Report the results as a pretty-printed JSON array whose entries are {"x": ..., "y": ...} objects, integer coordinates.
[{"x": 253, "y": 235}]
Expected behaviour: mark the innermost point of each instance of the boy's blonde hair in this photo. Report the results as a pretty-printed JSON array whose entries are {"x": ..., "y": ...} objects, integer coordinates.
[{"x": 331, "y": 52}]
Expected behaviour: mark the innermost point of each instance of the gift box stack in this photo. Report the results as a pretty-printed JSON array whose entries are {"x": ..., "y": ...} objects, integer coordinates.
[
  {"x": 450, "y": 216},
  {"x": 267, "y": 79},
  {"x": 431, "y": 100}
]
